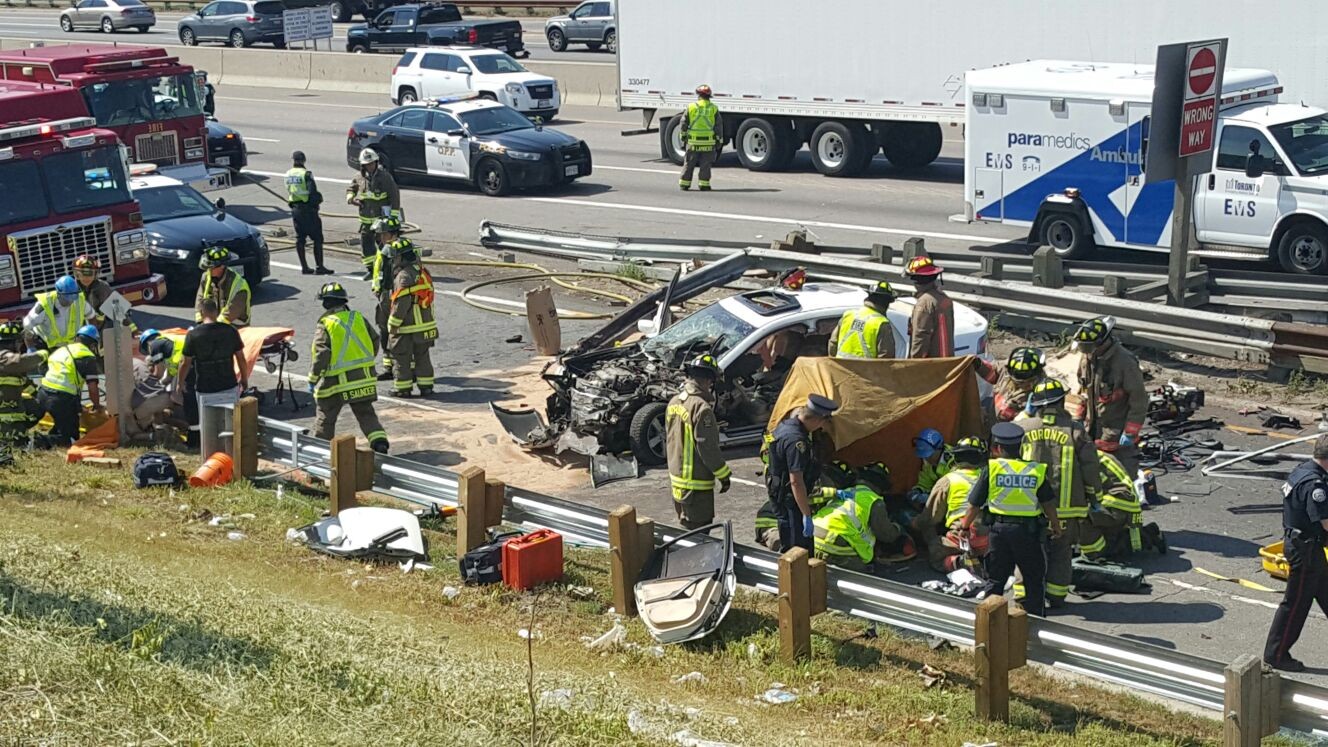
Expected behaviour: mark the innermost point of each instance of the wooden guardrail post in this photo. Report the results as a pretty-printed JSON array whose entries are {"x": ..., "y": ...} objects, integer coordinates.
[
  {"x": 993, "y": 656},
  {"x": 795, "y": 617},
  {"x": 364, "y": 469},
  {"x": 817, "y": 578},
  {"x": 1252, "y": 702},
  {"x": 629, "y": 548},
  {"x": 472, "y": 492},
  {"x": 1048, "y": 270},
  {"x": 244, "y": 438},
  {"x": 495, "y": 498},
  {"x": 344, "y": 482}
]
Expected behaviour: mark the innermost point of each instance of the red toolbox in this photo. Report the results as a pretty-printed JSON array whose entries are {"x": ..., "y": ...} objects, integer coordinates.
[{"x": 533, "y": 559}]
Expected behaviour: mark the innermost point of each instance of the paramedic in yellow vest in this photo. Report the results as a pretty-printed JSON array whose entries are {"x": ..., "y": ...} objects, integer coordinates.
[
  {"x": 164, "y": 358},
  {"x": 854, "y": 530},
  {"x": 56, "y": 316},
  {"x": 388, "y": 231},
  {"x": 865, "y": 332},
  {"x": 61, "y": 390},
  {"x": 344, "y": 351},
  {"x": 836, "y": 476},
  {"x": 224, "y": 285},
  {"x": 1013, "y": 498},
  {"x": 702, "y": 130},
  {"x": 411, "y": 328},
  {"x": 1052, "y": 438},
  {"x": 15, "y": 386},
  {"x": 1119, "y": 516},
  {"x": 375, "y": 193},
  {"x": 929, "y": 446},
  {"x": 303, "y": 197},
  {"x": 938, "y": 524},
  {"x": 692, "y": 446}
]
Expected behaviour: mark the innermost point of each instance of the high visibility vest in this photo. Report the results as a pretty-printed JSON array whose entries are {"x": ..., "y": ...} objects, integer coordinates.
[
  {"x": 701, "y": 116},
  {"x": 352, "y": 354},
  {"x": 297, "y": 185},
  {"x": 929, "y": 473},
  {"x": 376, "y": 280},
  {"x": 60, "y": 336},
  {"x": 859, "y": 331},
  {"x": 686, "y": 479},
  {"x": 1111, "y": 473},
  {"x": 421, "y": 311},
  {"x": 1012, "y": 487},
  {"x": 62, "y": 369},
  {"x": 851, "y": 520},
  {"x": 960, "y": 483},
  {"x": 238, "y": 284}
]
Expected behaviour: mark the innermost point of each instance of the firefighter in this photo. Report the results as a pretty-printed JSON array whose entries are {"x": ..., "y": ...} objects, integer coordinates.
[
  {"x": 1019, "y": 507},
  {"x": 61, "y": 390},
  {"x": 702, "y": 129},
  {"x": 1023, "y": 370},
  {"x": 938, "y": 524},
  {"x": 95, "y": 290},
  {"x": 1060, "y": 443},
  {"x": 794, "y": 467},
  {"x": 836, "y": 476},
  {"x": 15, "y": 386},
  {"x": 375, "y": 193},
  {"x": 854, "y": 530},
  {"x": 1118, "y": 516},
  {"x": 931, "y": 328},
  {"x": 303, "y": 197},
  {"x": 55, "y": 318},
  {"x": 410, "y": 324},
  {"x": 865, "y": 332},
  {"x": 344, "y": 351},
  {"x": 1115, "y": 402},
  {"x": 224, "y": 285},
  {"x": 692, "y": 446},
  {"x": 388, "y": 233}
]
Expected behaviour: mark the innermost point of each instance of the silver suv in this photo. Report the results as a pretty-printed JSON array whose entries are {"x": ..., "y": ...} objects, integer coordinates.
[{"x": 592, "y": 24}]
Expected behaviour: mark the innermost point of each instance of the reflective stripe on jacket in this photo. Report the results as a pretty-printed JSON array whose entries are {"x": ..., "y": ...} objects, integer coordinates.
[
  {"x": 62, "y": 369},
  {"x": 352, "y": 359},
  {"x": 1012, "y": 487},
  {"x": 850, "y": 520},
  {"x": 959, "y": 484},
  {"x": 859, "y": 332},
  {"x": 1117, "y": 489},
  {"x": 58, "y": 337},
  {"x": 233, "y": 284},
  {"x": 692, "y": 444},
  {"x": 701, "y": 118},
  {"x": 412, "y": 303}
]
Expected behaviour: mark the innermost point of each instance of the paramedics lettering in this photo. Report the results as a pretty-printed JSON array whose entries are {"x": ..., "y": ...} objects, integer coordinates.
[
  {"x": 1025, "y": 482},
  {"x": 1049, "y": 434}
]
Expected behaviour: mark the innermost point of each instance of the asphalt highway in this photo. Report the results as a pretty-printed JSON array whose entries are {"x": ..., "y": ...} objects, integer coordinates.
[{"x": 38, "y": 23}]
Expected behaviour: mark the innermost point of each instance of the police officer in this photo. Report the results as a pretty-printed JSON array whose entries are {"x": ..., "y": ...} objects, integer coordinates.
[
  {"x": 836, "y": 476},
  {"x": 794, "y": 468},
  {"x": 854, "y": 530},
  {"x": 15, "y": 367},
  {"x": 375, "y": 193},
  {"x": 226, "y": 286},
  {"x": 304, "y": 198},
  {"x": 701, "y": 130},
  {"x": 931, "y": 328},
  {"x": 865, "y": 332},
  {"x": 1305, "y": 526},
  {"x": 344, "y": 351},
  {"x": 947, "y": 504},
  {"x": 411, "y": 328},
  {"x": 692, "y": 446},
  {"x": 1060, "y": 443},
  {"x": 61, "y": 390},
  {"x": 1019, "y": 506},
  {"x": 55, "y": 318},
  {"x": 1114, "y": 395}
]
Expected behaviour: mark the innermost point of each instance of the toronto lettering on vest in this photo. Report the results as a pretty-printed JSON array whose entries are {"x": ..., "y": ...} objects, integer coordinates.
[
  {"x": 1028, "y": 482},
  {"x": 1049, "y": 434}
]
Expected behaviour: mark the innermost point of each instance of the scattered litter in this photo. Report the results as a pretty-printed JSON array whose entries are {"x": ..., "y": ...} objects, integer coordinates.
[
  {"x": 184, "y": 508},
  {"x": 985, "y": 744},
  {"x": 525, "y": 634},
  {"x": 931, "y": 676},
  {"x": 655, "y": 651},
  {"x": 636, "y": 723},
  {"x": 930, "y": 721},
  {"x": 777, "y": 695},
  {"x": 610, "y": 639},
  {"x": 581, "y": 592},
  {"x": 687, "y": 739},
  {"x": 1282, "y": 421},
  {"x": 451, "y": 592},
  {"x": 936, "y": 643},
  {"x": 293, "y": 534},
  {"x": 414, "y": 565},
  {"x": 696, "y": 677},
  {"x": 753, "y": 652},
  {"x": 513, "y": 339},
  {"x": 235, "y": 536},
  {"x": 692, "y": 713},
  {"x": 215, "y": 521},
  {"x": 1242, "y": 582},
  {"x": 248, "y": 516},
  {"x": 280, "y": 488},
  {"x": 560, "y": 698}
]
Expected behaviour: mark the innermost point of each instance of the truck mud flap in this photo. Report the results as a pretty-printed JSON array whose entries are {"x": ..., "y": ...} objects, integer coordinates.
[
  {"x": 526, "y": 427},
  {"x": 607, "y": 468}
]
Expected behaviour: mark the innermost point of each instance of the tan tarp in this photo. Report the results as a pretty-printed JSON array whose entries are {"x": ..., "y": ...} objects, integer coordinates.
[{"x": 885, "y": 403}]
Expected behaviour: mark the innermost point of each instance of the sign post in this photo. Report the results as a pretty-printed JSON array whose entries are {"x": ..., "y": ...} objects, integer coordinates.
[
  {"x": 295, "y": 25},
  {"x": 320, "y": 25},
  {"x": 118, "y": 355}
]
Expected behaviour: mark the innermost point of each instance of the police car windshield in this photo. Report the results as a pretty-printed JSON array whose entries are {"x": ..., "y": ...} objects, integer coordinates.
[
  {"x": 124, "y": 102},
  {"x": 494, "y": 120},
  {"x": 1305, "y": 143},
  {"x": 164, "y": 203},
  {"x": 711, "y": 329},
  {"x": 491, "y": 64}
]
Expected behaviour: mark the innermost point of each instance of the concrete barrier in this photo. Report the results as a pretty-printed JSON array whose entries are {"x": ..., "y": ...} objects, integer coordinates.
[
  {"x": 211, "y": 59},
  {"x": 267, "y": 68},
  {"x": 353, "y": 73},
  {"x": 582, "y": 84}
]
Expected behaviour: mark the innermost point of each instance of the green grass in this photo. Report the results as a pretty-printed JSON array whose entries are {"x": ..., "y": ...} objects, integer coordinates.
[
  {"x": 631, "y": 271},
  {"x": 126, "y": 618}
]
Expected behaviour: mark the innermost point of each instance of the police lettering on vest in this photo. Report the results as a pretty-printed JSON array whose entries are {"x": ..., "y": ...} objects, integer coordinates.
[
  {"x": 297, "y": 185},
  {"x": 1013, "y": 487}
]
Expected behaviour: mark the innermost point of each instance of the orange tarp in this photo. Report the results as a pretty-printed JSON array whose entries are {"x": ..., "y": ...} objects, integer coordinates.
[
  {"x": 95, "y": 442},
  {"x": 254, "y": 339},
  {"x": 885, "y": 403}
]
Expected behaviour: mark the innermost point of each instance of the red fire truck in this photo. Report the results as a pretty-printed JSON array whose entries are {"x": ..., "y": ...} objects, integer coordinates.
[
  {"x": 64, "y": 191},
  {"x": 152, "y": 101}
]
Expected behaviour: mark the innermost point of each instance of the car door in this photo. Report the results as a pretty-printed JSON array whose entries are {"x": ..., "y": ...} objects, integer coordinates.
[
  {"x": 577, "y": 22},
  {"x": 446, "y": 147},
  {"x": 404, "y": 140},
  {"x": 88, "y": 13},
  {"x": 380, "y": 30},
  {"x": 202, "y": 18},
  {"x": 437, "y": 78},
  {"x": 228, "y": 13},
  {"x": 598, "y": 21},
  {"x": 1233, "y": 208}
]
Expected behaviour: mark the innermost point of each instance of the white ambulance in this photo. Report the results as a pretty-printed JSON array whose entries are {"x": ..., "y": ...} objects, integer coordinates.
[{"x": 1060, "y": 147}]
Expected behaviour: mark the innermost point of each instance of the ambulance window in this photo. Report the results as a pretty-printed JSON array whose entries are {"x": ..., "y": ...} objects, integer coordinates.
[{"x": 1234, "y": 149}]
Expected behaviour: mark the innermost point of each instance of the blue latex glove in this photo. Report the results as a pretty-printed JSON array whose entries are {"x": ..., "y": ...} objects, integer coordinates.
[
  {"x": 312, "y": 386},
  {"x": 1126, "y": 440},
  {"x": 1028, "y": 408},
  {"x": 808, "y": 529}
]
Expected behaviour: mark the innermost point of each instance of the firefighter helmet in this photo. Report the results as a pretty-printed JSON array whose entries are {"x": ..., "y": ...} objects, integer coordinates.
[
  {"x": 368, "y": 155},
  {"x": 216, "y": 256},
  {"x": 969, "y": 450},
  {"x": 838, "y": 474},
  {"x": 1094, "y": 331},
  {"x": 1025, "y": 363},
  {"x": 876, "y": 475},
  {"x": 922, "y": 267},
  {"x": 86, "y": 265},
  {"x": 10, "y": 330},
  {"x": 703, "y": 365},
  {"x": 1047, "y": 392},
  {"x": 704, "y": 91},
  {"x": 882, "y": 292},
  {"x": 333, "y": 290}
]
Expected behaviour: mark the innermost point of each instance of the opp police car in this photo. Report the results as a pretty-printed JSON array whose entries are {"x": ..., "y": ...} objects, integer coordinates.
[{"x": 471, "y": 139}]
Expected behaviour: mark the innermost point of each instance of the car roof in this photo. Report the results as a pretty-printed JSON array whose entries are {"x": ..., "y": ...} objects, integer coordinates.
[
  {"x": 467, "y": 48},
  {"x": 152, "y": 181},
  {"x": 830, "y": 299},
  {"x": 457, "y": 107}
]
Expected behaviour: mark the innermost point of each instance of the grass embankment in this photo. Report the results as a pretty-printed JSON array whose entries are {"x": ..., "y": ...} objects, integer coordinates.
[{"x": 126, "y": 618}]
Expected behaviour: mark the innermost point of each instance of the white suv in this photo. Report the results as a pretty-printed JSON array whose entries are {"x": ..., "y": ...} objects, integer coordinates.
[{"x": 425, "y": 73}]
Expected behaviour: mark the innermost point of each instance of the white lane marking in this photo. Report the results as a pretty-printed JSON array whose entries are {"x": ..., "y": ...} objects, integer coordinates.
[
  {"x": 261, "y": 139},
  {"x": 634, "y": 168},
  {"x": 329, "y": 179},
  {"x": 741, "y": 481},
  {"x": 764, "y": 219}
]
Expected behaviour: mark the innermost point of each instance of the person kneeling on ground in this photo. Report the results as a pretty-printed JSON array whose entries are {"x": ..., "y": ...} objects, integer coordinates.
[
  {"x": 948, "y": 547},
  {"x": 855, "y": 531},
  {"x": 1118, "y": 516},
  {"x": 835, "y": 477}
]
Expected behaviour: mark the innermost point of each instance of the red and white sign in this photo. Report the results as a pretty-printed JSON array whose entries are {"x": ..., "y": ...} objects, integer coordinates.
[{"x": 1198, "y": 119}]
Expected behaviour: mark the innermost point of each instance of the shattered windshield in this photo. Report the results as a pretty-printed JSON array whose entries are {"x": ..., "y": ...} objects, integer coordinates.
[
  {"x": 712, "y": 329},
  {"x": 124, "y": 102}
]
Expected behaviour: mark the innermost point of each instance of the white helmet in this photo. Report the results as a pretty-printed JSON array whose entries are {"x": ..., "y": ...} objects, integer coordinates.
[{"x": 368, "y": 156}]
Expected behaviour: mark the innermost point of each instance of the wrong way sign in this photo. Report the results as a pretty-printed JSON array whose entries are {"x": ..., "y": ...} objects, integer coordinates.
[{"x": 1203, "y": 89}]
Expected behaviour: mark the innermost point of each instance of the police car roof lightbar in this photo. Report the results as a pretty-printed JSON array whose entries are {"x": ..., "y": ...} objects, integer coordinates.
[
  {"x": 442, "y": 100},
  {"x": 46, "y": 128}
]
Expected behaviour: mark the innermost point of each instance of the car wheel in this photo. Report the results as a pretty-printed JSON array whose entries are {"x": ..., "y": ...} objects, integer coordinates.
[
  {"x": 911, "y": 145},
  {"x": 1066, "y": 235},
  {"x": 358, "y": 49},
  {"x": 593, "y": 46},
  {"x": 340, "y": 13},
  {"x": 66, "y": 25},
  {"x": 107, "y": 26},
  {"x": 837, "y": 148},
  {"x": 143, "y": 29},
  {"x": 1304, "y": 249},
  {"x": 407, "y": 95},
  {"x": 557, "y": 41},
  {"x": 491, "y": 178},
  {"x": 187, "y": 37},
  {"x": 237, "y": 39},
  {"x": 670, "y": 140},
  {"x": 763, "y": 144},
  {"x": 647, "y": 435},
  {"x": 278, "y": 45},
  {"x": 611, "y": 41}
]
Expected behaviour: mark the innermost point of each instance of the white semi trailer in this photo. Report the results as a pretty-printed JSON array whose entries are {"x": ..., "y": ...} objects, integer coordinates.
[{"x": 849, "y": 78}]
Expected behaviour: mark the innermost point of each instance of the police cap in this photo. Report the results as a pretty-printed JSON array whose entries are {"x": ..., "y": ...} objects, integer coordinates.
[
  {"x": 822, "y": 407},
  {"x": 1007, "y": 434}
]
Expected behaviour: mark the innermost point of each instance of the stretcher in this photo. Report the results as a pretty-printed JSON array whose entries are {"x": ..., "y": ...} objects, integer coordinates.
[{"x": 273, "y": 346}]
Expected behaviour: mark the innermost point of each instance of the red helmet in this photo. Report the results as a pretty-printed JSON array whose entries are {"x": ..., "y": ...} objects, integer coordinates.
[
  {"x": 703, "y": 90},
  {"x": 922, "y": 267},
  {"x": 86, "y": 265}
]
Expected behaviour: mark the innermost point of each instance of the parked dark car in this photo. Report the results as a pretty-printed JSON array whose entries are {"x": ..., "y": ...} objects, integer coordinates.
[
  {"x": 238, "y": 23},
  {"x": 181, "y": 223},
  {"x": 397, "y": 29},
  {"x": 225, "y": 147}
]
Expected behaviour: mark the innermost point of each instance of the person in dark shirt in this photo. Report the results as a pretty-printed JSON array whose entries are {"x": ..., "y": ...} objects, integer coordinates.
[
  {"x": 794, "y": 468},
  {"x": 213, "y": 352},
  {"x": 1305, "y": 525}
]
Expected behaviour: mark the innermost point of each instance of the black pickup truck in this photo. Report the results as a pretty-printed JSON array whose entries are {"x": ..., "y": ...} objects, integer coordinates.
[{"x": 397, "y": 29}]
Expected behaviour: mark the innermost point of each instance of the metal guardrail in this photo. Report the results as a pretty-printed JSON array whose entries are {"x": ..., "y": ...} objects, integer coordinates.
[{"x": 1140, "y": 667}]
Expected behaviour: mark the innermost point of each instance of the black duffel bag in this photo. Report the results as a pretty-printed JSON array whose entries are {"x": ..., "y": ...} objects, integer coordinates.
[
  {"x": 155, "y": 468},
  {"x": 484, "y": 564}
]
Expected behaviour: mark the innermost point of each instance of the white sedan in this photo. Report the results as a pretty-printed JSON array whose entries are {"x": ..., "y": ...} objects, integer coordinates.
[{"x": 427, "y": 73}]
